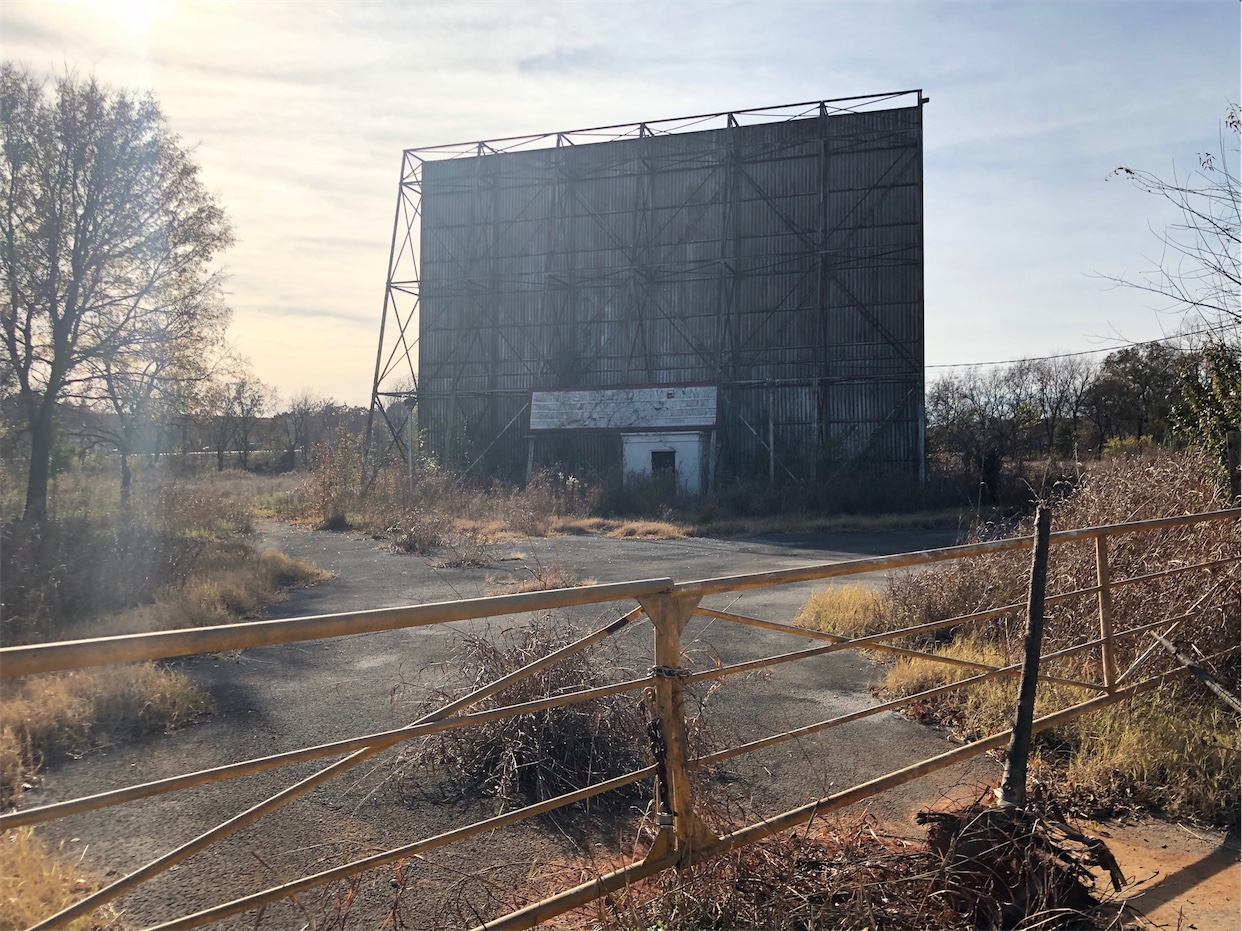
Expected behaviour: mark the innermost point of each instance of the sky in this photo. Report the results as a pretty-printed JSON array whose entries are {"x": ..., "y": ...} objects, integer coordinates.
[{"x": 298, "y": 114}]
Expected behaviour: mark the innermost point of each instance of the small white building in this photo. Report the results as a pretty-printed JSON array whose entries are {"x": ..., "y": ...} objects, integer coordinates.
[
  {"x": 662, "y": 427},
  {"x": 685, "y": 454}
]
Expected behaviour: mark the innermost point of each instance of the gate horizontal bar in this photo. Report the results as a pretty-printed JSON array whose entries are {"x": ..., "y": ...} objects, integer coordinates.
[
  {"x": 804, "y": 813},
  {"x": 103, "y": 651},
  {"x": 733, "y": 583},
  {"x": 276, "y": 893}
]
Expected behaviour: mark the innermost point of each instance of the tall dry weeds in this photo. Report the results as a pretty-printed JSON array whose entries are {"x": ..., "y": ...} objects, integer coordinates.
[
  {"x": 1175, "y": 750},
  {"x": 37, "y": 880},
  {"x": 93, "y": 557},
  {"x": 1113, "y": 492}
]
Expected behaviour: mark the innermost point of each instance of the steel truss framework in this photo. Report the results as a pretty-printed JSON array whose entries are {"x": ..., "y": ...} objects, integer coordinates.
[{"x": 774, "y": 252}]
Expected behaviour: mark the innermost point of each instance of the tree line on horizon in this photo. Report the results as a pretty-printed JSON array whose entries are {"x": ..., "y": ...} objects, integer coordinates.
[{"x": 984, "y": 420}]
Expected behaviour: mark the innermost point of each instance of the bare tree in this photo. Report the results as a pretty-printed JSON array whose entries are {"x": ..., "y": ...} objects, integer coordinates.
[
  {"x": 969, "y": 419},
  {"x": 1061, "y": 386},
  {"x": 106, "y": 235},
  {"x": 1198, "y": 268},
  {"x": 230, "y": 412},
  {"x": 302, "y": 425},
  {"x": 145, "y": 385},
  {"x": 214, "y": 415},
  {"x": 248, "y": 399}
]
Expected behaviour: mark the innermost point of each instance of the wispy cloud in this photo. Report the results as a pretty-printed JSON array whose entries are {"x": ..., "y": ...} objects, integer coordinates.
[
  {"x": 300, "y": 113},
  {"x": 571, "y": 60}
]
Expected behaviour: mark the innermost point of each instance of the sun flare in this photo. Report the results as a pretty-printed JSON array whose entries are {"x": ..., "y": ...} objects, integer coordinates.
[{"x": 137, "y": 16}]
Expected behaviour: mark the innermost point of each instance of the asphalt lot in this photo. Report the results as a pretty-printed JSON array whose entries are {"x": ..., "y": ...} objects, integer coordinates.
[{"x": 279, "y": 698}]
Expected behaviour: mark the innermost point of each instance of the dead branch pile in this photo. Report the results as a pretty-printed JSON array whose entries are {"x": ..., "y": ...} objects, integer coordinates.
[
  {"x": 1004, "y": 868},
  {"x": 1029, "y": 869}
]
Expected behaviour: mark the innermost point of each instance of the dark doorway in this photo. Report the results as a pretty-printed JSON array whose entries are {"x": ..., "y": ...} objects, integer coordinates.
[{"x": 663, "y": 460}]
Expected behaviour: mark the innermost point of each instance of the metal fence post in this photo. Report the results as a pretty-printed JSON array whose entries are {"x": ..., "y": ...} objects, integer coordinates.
[
  {"x": 669, "y": 615},
  {"x": 1107, "y": 660},
  {"x": 1013, "y": 786}
]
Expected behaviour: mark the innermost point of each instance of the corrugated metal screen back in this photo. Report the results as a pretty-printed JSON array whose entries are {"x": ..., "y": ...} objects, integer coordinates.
[{"x": 780, "y": 261}]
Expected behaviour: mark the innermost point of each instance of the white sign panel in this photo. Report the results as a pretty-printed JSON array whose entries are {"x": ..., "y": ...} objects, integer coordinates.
[{"x": 624, "y": 408}]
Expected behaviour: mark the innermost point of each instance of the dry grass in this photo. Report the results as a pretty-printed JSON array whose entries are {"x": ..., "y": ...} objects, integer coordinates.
[
  {"x": 802, "y": 522},
  {"x": 1174, "y": 750},
  {"x": 66, "y": 714},
  {"x": 176, "y": 558},
  {"x": 94, "y": 559},
  {"x": 422, "y": 512},
  {"x": 1111, "y": 492},
  {"x": 37, "y": 880},
  {"x": 1177, "y": 752},
  {"x": 239, "y": 582},
  {"x": 676, "y": 528},
  {"x": 537, "y": 579},
  {"x": 50, "y": 717},
  {"x": 434, "y": 509},
  {"x": 619, "y": 528},
  {"x": 643, "y": 529},
  {"x": 232, "y": 582},
  {"x": 850, "y": 610}
]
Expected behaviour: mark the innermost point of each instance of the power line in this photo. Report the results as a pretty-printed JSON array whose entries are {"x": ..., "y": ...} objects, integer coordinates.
[{"x": 1067, "y": 355}]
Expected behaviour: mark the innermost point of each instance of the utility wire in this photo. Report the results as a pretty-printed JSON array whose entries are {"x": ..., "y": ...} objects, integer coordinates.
[{"x": 1067, "y": 355}]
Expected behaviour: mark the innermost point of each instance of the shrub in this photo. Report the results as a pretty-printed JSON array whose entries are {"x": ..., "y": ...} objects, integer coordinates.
[
  {"x": 540, "y": 754},
  {"x": 418, "y": 531},
  {"x": 549, "y": 495},
  {"x": 333, "y": 486}
]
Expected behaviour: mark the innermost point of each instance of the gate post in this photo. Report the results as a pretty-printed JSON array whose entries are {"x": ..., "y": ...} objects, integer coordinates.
[
  {"x": 1013, "y": 785},
  {"x": 669, "y": 615}
]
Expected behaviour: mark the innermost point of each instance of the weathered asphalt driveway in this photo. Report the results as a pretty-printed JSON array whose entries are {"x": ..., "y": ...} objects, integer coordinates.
[{"x": 279, "y": 698}]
